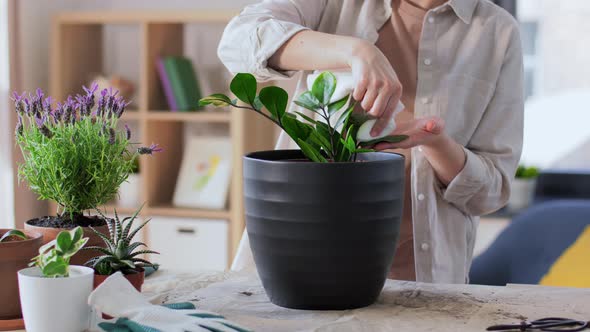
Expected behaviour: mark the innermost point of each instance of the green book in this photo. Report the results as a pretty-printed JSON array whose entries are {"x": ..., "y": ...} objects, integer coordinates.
[{"x": 184, "y": 82}]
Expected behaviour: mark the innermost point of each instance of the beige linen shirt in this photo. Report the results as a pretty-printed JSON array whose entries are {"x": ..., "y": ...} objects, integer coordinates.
[{"x": 470, "y": 73}]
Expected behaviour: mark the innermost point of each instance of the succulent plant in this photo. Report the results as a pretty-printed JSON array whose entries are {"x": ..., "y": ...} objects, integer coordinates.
[{"x": 120, "y": 253}]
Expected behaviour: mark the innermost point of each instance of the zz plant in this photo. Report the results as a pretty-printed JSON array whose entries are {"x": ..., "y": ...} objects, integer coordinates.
[
  {"x": 120, "y": 252},
  {"x": 75, "y": 153},
  {"x": 54, "y": 257},
  {"x": 332, "y": 138}
]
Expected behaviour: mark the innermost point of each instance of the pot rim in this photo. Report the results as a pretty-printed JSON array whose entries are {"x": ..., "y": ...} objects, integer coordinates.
[
  {"x": 32, "y": 236},
  {"x": 83, "y": 272},
  {"x": 252, "y": 156},
  {"x": 43, "y": 227},
  {"x": 140, "y": 270}
]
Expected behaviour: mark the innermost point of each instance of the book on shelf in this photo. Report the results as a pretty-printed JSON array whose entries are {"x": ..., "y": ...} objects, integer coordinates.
[{"x": 179, "y": 82}]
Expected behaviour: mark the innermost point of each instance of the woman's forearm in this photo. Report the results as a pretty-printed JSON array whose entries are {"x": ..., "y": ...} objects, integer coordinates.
[
  {"x": 312, "y": 50},
  {"x": 446, "y": 157}
]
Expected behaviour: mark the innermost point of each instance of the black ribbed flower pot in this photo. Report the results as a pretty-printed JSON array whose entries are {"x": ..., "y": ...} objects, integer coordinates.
[{"x": 323, "y": 235}]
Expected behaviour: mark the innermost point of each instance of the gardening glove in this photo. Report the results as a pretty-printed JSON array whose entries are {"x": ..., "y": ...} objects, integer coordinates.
[{"x": 118, "y": 298}]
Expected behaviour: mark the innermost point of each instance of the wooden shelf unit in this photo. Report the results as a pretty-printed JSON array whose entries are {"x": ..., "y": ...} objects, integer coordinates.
[{"x": 75, "y": 52}]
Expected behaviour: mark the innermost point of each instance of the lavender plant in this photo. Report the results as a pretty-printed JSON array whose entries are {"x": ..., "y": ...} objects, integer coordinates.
[
  {"x": 330, "y": 138},
  {"x": 74, "y": 153}
]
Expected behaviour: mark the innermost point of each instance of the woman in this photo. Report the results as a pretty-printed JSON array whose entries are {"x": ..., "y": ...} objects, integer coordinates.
[{"x": 457, "y": 68}]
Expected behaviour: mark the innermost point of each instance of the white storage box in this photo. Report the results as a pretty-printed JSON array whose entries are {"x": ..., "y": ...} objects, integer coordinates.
[{"x": 188, "y": 244}]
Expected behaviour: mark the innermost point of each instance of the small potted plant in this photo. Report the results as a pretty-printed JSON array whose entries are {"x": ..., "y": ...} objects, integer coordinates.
[
  {"x": 120, "y": 253},
  {"x": 322, "y": 221},
  {"x": 53, "y": 294},
  {"x": 17, "y": 248},
  {"x": 76, "y": 155},
  {"x": 523, "y": 187},
  {"x": 129, "y": 190}
]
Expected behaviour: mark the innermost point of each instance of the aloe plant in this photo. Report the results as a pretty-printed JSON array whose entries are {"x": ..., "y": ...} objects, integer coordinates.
[
  {"x": 330, "y": 139},
  {"x": 54, "y": 257},
  {"x": 119, "y": 252}
]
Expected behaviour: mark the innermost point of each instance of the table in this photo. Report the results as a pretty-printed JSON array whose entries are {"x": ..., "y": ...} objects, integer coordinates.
[{"x": 403, "y": 306}]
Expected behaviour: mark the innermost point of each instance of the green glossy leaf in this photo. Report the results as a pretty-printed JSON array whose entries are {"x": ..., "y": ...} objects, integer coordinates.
[
  {"x": 75, "y": 248},
  {"x": 319, "y": 139},
  {"x": 275, "y": 100},
  {"x": 76, "y": 234},
  {"x": 244, "y": 87},
  {"x": 386, "y": 139},
  {"x": 257, "y": 104},
  {"x": 323, "y": 87},
  {"x": 56, "y": 268},
  {"x": 308, "y": 101},
  {"x": 295, "y": 128},
  {"x": 306, "y": 118},
  {"x": 310, "y": 152},
  {"x": 344, "y": 117},
  {"x": 13, "y": 232},
  {"x": 64, "y": 241},
  {"x": 217, "y": 99},
  {"x": 364, "y": 150},
  {"x": 337, "y": 105}
]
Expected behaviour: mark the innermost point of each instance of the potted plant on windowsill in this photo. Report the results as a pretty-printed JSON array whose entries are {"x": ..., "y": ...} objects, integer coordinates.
[
  {"x": 17, "y": 248},
  {"x": 53, "y": 294},
  {"x": 75, "y": 155},
  {"x": 120, "y": 253},
  {"x": 322, "y": 221}
]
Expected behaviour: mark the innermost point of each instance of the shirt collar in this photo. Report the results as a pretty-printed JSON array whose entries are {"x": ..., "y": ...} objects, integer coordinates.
[{"x": 463, "y": 8}]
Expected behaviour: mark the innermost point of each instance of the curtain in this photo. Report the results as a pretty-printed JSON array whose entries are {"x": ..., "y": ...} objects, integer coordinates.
[
  {"x": 6, "y": 172},
  {"x": 509, "y": 5}
]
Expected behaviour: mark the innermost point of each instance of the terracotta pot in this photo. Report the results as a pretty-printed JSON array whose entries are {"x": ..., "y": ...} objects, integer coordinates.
[
  {"x": 14, "y": 256},
  {"x": 135, "y": 279},
  {"x": 49, "y": 234}
]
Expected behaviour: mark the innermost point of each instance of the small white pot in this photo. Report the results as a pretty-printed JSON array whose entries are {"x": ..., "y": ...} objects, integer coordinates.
[
  {"x": 129, "y": 192},
  {"x": 521, "y": 195},
  {"x": 56, "y": 304}
]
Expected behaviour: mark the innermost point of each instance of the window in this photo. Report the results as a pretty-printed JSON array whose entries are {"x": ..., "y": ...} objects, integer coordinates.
[
  {"x": 6, "y": 192},
  {"x": 557, "y": 84}
]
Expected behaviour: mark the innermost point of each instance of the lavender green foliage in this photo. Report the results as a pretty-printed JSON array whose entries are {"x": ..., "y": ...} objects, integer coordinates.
[{"x": 74, "y": 153}]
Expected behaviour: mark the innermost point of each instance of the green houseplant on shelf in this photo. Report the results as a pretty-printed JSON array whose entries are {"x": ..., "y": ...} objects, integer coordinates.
[
  {"x": 119, "y": 253},
  {"x": 322, "y": 221},
  {"x": 74, "y": 154},
  {"x": 523, "y": 187},
  {"x": 17, "y": 248},
  {"x": 53, "y": 293}
]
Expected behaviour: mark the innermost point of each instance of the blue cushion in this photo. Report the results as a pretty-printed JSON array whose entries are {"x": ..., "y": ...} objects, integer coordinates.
[{"x": 533, "y": 241}]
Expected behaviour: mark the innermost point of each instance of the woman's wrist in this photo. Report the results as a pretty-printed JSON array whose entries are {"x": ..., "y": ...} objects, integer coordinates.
[{"x": 446, "y": 156}]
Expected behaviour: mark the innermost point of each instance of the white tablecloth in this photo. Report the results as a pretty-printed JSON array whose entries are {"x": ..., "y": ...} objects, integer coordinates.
[{"x": 403, "y": 306}]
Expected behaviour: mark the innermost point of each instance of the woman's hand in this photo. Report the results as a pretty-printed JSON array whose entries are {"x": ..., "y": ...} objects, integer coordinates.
[
  {"x": 446, "y": 156},
  {"x": 377, "y": 86},
  {"x": 425, "y": 131}
]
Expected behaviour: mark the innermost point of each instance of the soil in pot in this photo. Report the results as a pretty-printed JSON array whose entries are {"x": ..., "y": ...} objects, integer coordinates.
[
  {"x": 14, "y": 256},
  {"x": 323, "y": 235},
  {"x": 50, "y": 226}
]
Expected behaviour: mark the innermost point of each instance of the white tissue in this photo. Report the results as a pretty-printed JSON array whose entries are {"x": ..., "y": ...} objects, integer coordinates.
[{"x": 364, "y": 132}]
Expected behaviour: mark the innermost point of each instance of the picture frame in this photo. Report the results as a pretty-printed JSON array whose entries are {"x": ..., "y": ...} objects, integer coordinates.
[{"x": 205, "y": 173}]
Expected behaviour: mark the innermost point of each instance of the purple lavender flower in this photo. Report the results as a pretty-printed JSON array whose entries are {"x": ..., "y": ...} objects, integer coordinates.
[
  {"x": 112, "y": 136},
  {"x": 19, "y": 126},
  {"x": 19, "y": 105},
  {"x": 149, "y": 149},
  {"x": 127, "y": 132}
]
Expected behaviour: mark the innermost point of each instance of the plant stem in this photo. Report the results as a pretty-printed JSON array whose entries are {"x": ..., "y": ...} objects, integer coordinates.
[{"x": 259, "y": 112}]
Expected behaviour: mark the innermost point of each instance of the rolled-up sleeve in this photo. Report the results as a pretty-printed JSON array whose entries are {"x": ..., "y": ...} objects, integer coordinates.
[
  {"x": 492, "y": 154},
  {"x": 253, "y": 36}
]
